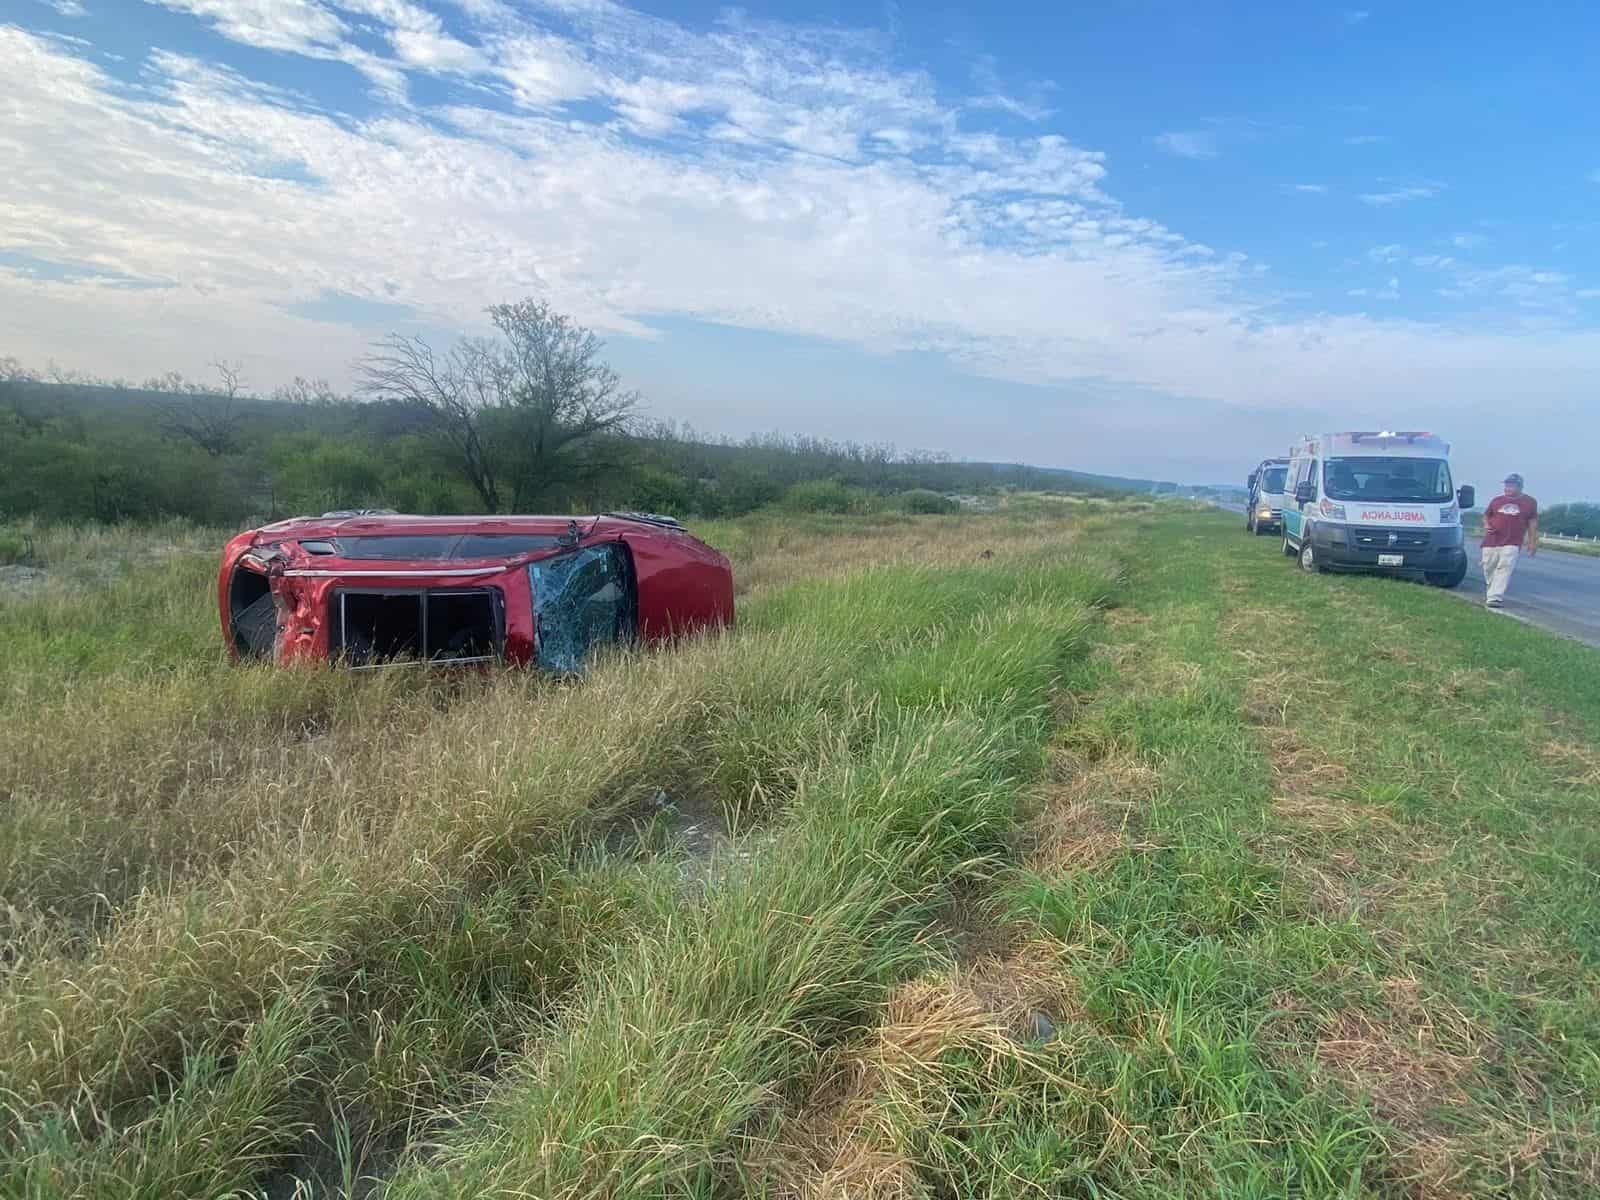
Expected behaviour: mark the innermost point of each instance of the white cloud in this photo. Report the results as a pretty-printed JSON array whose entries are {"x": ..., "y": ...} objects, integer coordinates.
[
  {"x": 1306, "y": 189},
  {"x": 298, "y": 25},
  {"x": 1354, "y": 16},
  {"x": 1400, "y": 194},
  {"x": 793, "y": 183},
  {"x": 1468, "y": 241},
  {"x": 68, "y": 8},
  {"x": 1365, "y": 139},
  {"x": 999, "y": 102},
  {"x": 1192, "y": 143}
]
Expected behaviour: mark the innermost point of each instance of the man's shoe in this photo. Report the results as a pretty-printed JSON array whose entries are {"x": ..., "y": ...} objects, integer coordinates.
[{"x": 1494, "y": 603}]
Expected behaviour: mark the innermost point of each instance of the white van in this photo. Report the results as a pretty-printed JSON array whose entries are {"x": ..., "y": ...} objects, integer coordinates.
[
  {"x": 1376, "y": 502},
  {"x": 1264, "y": 504}
]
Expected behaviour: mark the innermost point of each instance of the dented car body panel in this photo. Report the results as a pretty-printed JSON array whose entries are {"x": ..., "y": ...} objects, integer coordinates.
[{"x": 367, "y": 590}]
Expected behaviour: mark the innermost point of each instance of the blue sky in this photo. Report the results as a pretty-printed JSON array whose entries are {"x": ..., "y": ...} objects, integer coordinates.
[{"x": 1148, "y": 238}]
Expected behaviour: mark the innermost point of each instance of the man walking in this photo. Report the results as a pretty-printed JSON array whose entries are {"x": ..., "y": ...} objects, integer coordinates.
[{"x": 1510, "y": 521}]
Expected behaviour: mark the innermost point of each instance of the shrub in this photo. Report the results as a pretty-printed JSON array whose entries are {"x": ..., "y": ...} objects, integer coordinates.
[
  {"x": 14, "y": 547},
  {"x": 926, "y": 501},
  {"x": 824, "y": 496}
]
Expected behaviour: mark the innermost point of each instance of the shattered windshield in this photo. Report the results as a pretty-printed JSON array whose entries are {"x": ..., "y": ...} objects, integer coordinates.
[
  {"x": 580, "y": 601},
  {"x": 1388, "y": 480},
  {"x": 391, "y": 546}
]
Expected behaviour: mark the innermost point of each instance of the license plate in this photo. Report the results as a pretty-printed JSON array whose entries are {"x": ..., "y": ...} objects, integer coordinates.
[{"x": 1391, "y": 560}]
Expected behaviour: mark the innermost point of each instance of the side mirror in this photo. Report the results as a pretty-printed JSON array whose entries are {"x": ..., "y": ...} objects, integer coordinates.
[
  {"x": 1466, "y": 497},
  {"x": 1305, "y": 493}
]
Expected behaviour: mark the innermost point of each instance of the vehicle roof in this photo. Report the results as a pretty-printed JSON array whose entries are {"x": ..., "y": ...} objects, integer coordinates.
[
  {"x": 379, "y": 524},
  {"x": 1272, "y": 462},
  {"x": 1363, "y": 443}
]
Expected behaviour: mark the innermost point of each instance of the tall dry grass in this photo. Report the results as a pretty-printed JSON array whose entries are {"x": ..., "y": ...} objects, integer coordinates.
[{"x": 245, "y": 906}]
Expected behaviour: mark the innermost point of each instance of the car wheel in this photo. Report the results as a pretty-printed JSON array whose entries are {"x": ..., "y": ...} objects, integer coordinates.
[
  {"x": 1288, "y": 550},
  {"x": 1308, "y": 558},
  {"x": 1448, "y": 579}
]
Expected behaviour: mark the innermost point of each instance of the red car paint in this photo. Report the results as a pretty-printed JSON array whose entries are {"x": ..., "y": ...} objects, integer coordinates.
[{"x": 679, "y": 584}]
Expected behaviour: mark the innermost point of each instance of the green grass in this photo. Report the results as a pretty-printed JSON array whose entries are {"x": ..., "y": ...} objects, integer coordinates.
[
  {"x": 1349, "y": 945},
  {"x": 1071, "y": 850},
  {"x": 395, "y": 881}
]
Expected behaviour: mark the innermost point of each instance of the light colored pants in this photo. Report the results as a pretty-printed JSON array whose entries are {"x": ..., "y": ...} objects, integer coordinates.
[{"x": 1498, "y": 563}]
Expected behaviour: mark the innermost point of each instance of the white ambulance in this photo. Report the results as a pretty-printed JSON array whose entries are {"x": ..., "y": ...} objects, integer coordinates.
[{"x": 1375, "y": 502}]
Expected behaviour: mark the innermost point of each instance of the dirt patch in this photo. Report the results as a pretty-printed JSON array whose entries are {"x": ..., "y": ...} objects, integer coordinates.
[
  {"x": 1394, "y": 1056},
  {"x": 1408, "y": 1078},
  {"x": 20, "y": 582},
  {"x": 1124, "y": 618},
  {"x": 1086, "y": 807},
  {"x": 1307, "y": 783},
  {"x": 840, "y": 1141},
  {"x": 1576, "y": 764}
]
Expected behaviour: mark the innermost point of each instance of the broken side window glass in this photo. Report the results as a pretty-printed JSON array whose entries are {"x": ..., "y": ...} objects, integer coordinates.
[{"x": 581, "y": 601}]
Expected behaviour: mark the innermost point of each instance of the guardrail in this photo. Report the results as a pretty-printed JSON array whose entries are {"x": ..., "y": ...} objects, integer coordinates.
[{"x": 1569, "y": 539}]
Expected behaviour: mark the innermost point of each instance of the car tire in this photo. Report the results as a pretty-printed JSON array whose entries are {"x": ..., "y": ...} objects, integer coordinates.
[
  {"x": 1288, "y": 550},
  {"x": 1308, "y": 558},
  {"x": 1249, "y": 523},
  {"x": 1448, "y": 579}
]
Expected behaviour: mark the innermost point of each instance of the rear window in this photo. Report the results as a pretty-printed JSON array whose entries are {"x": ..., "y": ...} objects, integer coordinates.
[{"x": 441, "y": 546}]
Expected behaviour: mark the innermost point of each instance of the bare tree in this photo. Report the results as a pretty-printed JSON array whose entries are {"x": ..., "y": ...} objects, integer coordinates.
[
  {"x": 307, "y": 391},
  {"x": 453, "y": 388},
  {"x": 208, "y": 417},
  {"x": 527, "y": 410}
]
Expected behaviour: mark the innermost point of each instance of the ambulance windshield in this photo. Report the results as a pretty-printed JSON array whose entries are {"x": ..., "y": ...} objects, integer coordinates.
[{"x": 1390, "y": 480}]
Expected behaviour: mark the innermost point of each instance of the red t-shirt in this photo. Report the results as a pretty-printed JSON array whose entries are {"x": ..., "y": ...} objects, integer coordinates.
[{"x": 1505, "y": 521}]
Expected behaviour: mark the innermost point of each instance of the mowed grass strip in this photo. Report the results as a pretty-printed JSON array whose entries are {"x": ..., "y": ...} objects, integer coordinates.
[
  {"x": 428, "y": 907},
  {"x": 1319, "y": 910}
]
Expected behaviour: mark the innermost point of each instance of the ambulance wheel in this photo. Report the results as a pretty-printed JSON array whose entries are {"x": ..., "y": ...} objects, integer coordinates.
[
  {"x": 1249, "y": 523},
  {"x": 1308, "y": 558},
  {"x": 1288, "y": 550},
  {"x": 1448, "y": 579}
]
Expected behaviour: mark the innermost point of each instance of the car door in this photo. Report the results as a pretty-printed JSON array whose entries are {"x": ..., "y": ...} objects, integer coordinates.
[{"x": 1291, "y": 506}]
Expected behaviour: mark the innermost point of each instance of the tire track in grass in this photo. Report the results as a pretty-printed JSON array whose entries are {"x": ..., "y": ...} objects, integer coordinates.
[
  {"x": 678, "y": 1048},
  {"x": 1453, "y": 1075}
]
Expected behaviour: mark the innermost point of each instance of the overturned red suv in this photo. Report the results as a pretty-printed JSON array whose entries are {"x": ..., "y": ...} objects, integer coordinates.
[{"x": 369, "y": 588}]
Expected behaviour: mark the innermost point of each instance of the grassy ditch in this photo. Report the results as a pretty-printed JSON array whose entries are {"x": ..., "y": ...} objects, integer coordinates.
[
  {"x": 1054, "y": 852},
  {"x": 1313, "y": 909},
  {"x": 286, "y": 930}
]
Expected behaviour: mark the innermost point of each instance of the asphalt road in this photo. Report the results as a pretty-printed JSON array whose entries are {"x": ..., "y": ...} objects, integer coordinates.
[{"x": 1553, "y": 590}]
